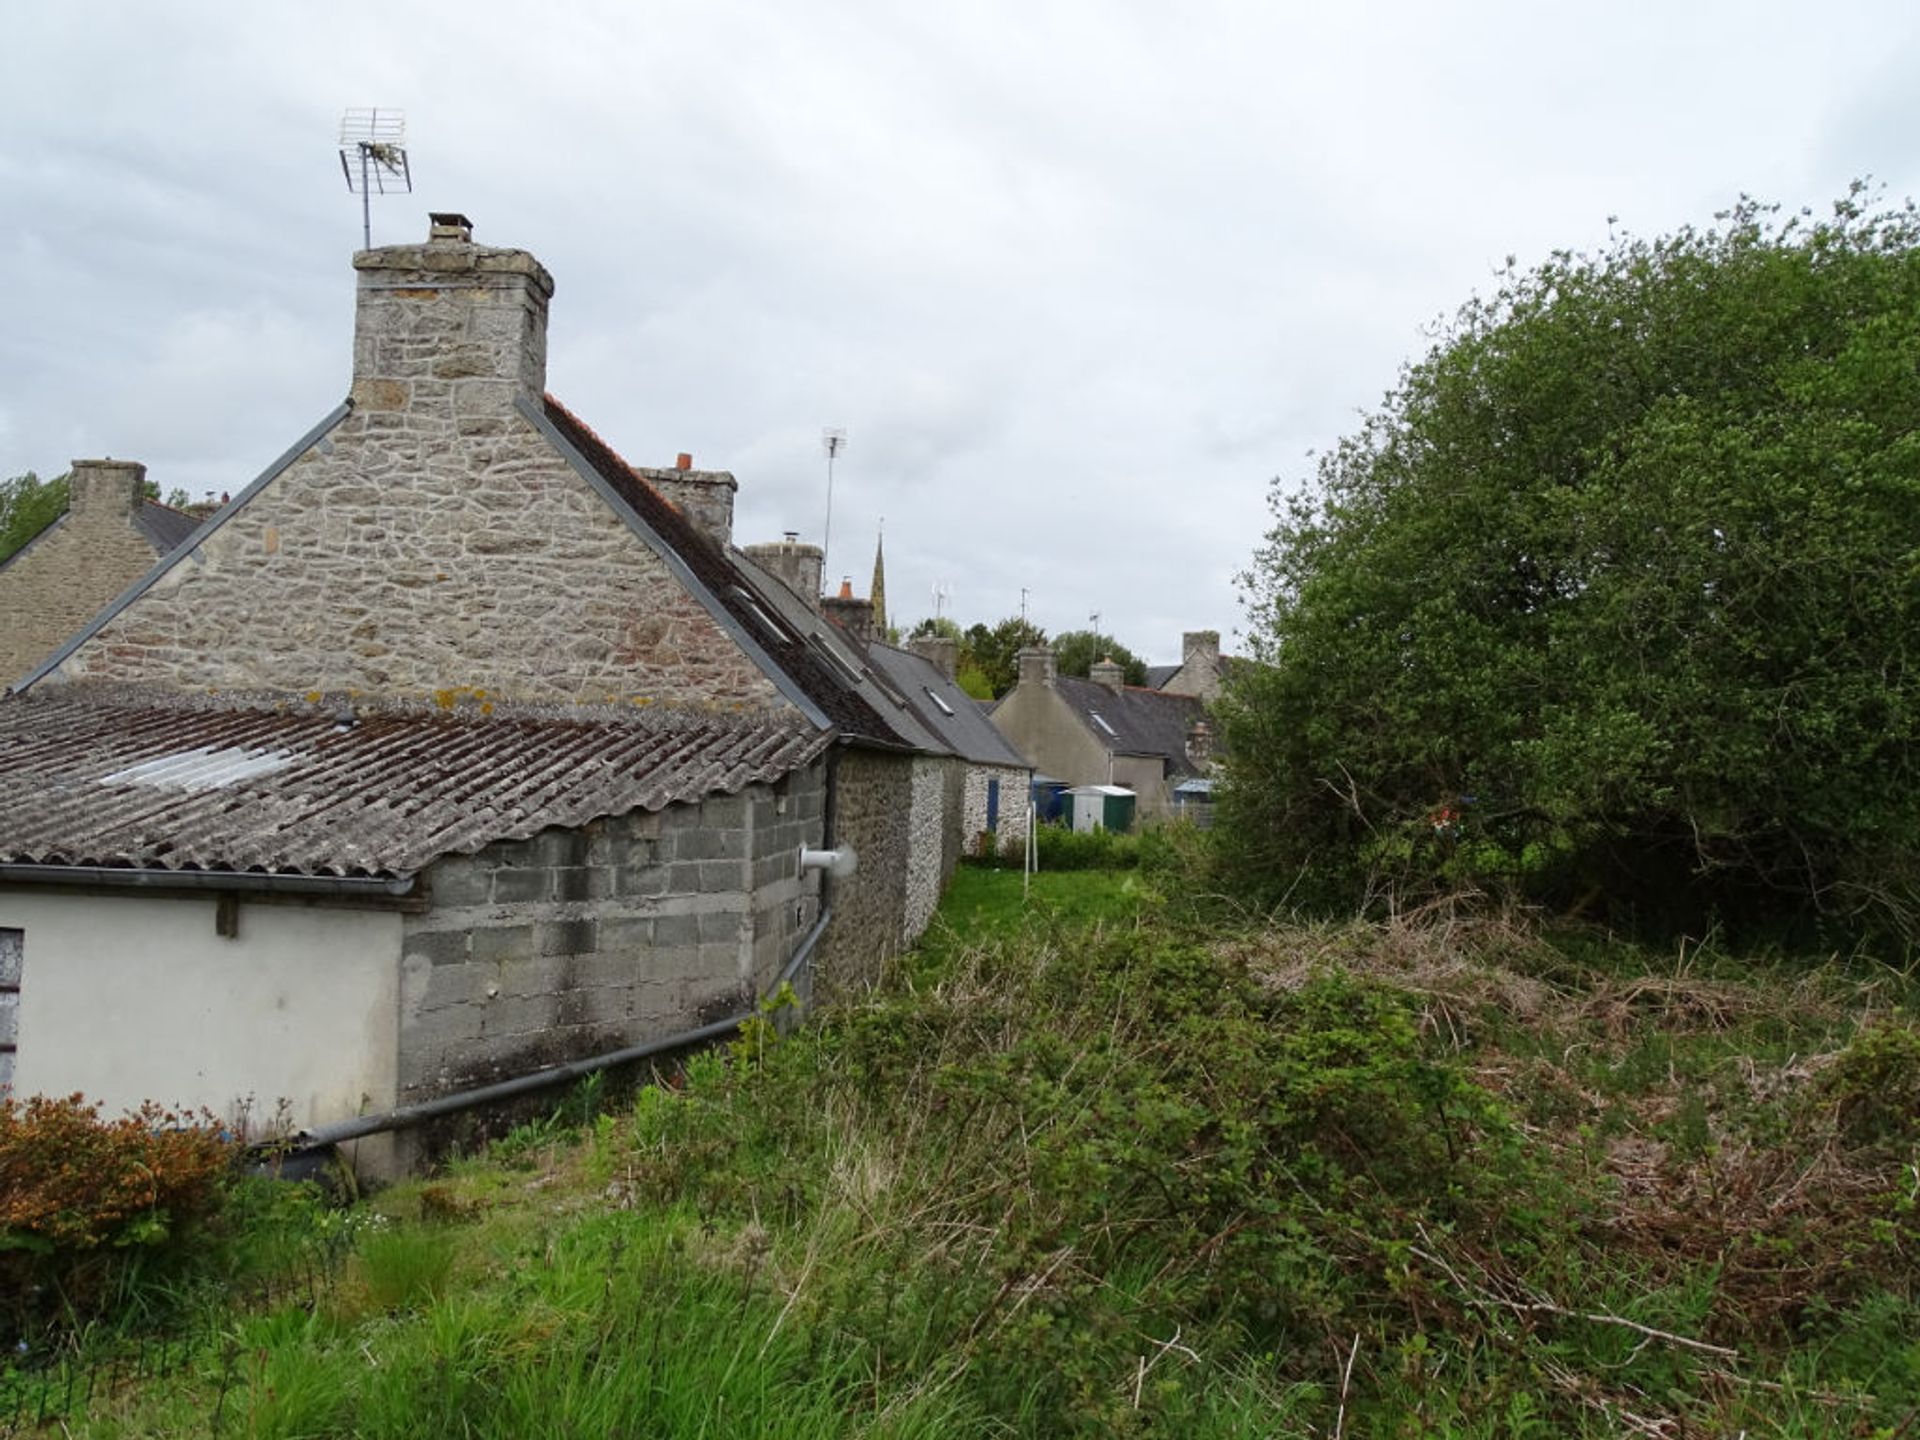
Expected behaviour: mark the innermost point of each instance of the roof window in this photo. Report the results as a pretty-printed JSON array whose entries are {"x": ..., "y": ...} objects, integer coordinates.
[{"x": 945, "y": 709}]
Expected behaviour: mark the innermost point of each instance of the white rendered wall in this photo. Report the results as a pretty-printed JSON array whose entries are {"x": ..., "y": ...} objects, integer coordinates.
[{"x": 130, "y": 998}]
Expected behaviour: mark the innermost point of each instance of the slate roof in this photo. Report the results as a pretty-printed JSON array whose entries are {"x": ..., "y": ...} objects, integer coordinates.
[
  {"x": 1158, "y": 675},
  {"x": 944, "y": 708},
  {"x": 1136, "y": 721},
  {"x": 166, "y": 528},
  {"x": 93, "y": 779}
]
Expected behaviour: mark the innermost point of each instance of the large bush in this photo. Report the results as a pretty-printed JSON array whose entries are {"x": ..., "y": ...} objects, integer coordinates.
[
  {"x": 84, "y": 1199},
  {"x": 1613, "y": 602}
]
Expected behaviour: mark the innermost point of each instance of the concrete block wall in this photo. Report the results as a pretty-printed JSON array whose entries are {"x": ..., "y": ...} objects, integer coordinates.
[{"x": 577, "y": 942}]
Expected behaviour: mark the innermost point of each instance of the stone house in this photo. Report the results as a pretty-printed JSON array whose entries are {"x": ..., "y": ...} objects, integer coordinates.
[
  {"x": 1099, "y": 731},
  {"x": 108, "y": 537},
  {"x": 1202, "y": 669},
  {"x": 451, "y": 751}
]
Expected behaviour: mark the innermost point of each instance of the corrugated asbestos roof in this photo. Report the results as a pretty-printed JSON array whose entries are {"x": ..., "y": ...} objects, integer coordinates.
[{"x": 85, "y": 780}]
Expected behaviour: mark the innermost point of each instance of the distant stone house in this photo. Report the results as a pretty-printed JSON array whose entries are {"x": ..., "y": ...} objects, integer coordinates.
[
  {"x": 1202, "y": 670},
  {"x": 452, "y": 750},
  {"x": 108, "y": 537},
  {"x": 1099, "y": 731}
]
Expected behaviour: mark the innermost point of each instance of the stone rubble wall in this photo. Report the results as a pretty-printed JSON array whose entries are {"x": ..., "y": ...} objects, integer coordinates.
[
  {"x": 927, "y": 844},
  {"x": 62, "y": 579},
  {"x": 873, "y": 798},
  {"x": 1010, "y": 830},
  {"x": 422, "y": 550},
  {"x": 577, "y": 942}
]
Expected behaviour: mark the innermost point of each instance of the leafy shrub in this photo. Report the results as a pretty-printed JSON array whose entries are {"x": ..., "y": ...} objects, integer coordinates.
[
  {"x": 82, "y": 1196},
  {"x": 1064, "y": 849},
  {"x": 1875, "y": 1086}
]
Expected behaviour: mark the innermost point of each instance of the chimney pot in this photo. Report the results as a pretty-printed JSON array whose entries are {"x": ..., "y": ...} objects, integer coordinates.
[
  {"x": 449, "y": 225},
  {"x": 846, "y": 588},
  {"x": 683, "y": 461}
]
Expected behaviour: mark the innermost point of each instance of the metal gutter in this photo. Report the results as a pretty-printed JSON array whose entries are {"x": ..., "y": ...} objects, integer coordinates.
[
  {"x": 530, "y": 411},
  {"x": 253, "y": 880},
  {"x": 186, "y": 548},
  {"x": 406, "y": 1116}
]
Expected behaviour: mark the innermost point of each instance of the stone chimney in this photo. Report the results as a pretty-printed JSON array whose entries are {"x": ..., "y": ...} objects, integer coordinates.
[
  {"x": 705, "y": 497},
  {"x": 105, "y": 490},
  {"x": 1036, "y": 665},
  {"x": 1200, "y": 745},
  {"x": 793, "y": 563},
  {"x": 939, "y": 651},
  {"x": 449, "y": 332},
  {"x": 1199, "y": 672},
  {"x": 851, "y": 614},
  {"x": 1107, "y": 672}
]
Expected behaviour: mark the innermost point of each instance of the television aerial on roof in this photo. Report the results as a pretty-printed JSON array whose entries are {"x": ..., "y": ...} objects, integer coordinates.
[
  {"x": 373, "y": 157},
  {"x": 833, "y": 440}
]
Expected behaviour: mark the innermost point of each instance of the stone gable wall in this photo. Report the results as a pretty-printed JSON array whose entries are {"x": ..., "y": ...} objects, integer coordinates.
[
  {"x": 421, "y": 550},
  {"x": 578, "y": 942},
  {"x": 873, "y": 807},
  {"x": 62, "y": 580}
]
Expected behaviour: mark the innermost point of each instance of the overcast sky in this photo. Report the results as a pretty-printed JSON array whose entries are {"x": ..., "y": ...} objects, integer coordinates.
[{"x": 1080, "y": 280}]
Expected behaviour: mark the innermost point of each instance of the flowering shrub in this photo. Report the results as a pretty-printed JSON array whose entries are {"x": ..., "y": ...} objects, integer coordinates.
[{"x": 78, "y": 1192}]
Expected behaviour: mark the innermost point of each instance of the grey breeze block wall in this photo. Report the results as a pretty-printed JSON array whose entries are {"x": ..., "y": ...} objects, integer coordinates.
[
  {"x": 629, "y": 929},
  {"x": 433, "y": 544},
  {"x": 72, "y": 570}
]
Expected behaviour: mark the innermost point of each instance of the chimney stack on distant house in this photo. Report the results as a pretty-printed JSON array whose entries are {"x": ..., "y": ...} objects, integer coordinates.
[
  {"x": 704, "y": 496},
  {"x": 107, "y": 489},
  {"x": 449, "y": 332},
  {"x": 1107, "y": 672},
  {"x": 850, "y": 613},
  {"x": 1036, "y": 665},
  {"x": 1200, "y": 746},
  {"x": 939, "y": 651},
  {"x": 1200, "y": 664},
  {"x": 793, "y": 563}
]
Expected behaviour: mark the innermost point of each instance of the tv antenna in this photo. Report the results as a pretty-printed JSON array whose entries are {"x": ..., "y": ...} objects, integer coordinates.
[
  {"x": 1094, "y": 620},
  {"x": 833, "y": 440},
  {"x": 942, "y": 593},
  {"x": 373, "y": 157}
]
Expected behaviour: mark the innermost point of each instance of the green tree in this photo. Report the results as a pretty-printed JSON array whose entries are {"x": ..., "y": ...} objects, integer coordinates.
[
  {"x": 1614, "y": 602},
  {"x": 995, "y": 652},
  {"x": 28, "y": 505},
  {"x": 1075, "y": 651}
]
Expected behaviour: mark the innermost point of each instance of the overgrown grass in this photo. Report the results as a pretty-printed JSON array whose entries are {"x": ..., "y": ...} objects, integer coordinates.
[{"x": 1085, "y": 1165}]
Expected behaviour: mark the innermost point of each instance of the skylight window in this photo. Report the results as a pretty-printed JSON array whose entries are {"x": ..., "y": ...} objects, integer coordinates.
[
  {"x": 1101, "y": 722},
  {"x": 945, "y": 709}
]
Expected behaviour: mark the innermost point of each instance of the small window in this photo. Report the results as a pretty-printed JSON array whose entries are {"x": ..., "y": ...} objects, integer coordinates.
[
  {"x": 13, "y": 944},
  {"x": 945, "y": 709},
  {"x": 761, "y": 618},
  {"x": 1103, "y": 725}
]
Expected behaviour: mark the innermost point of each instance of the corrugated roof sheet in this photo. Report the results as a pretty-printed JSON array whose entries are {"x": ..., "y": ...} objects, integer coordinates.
[{"x": 92, "y": 780}]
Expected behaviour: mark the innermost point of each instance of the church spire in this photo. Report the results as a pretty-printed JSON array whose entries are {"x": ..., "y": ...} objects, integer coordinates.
[{"x": 879, "y": 591}]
